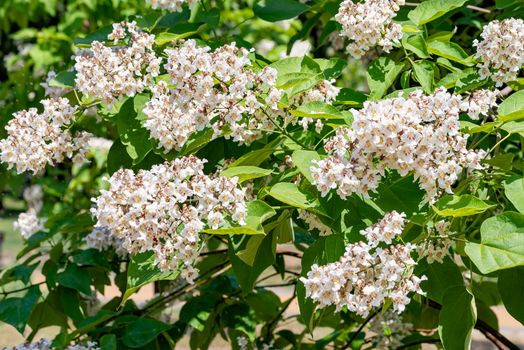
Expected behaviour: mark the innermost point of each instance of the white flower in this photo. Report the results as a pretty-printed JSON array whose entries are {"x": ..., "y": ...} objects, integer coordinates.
[
  {"x": 28, "y": 223},
  {"x": 34, "y": 140},
  {"x": 366, "y": 275},
  {"x": 164, "y": 209},
  {"x": 501, "y": 50},
  {"x": 107, "y": 73},
  {"x": 418, "y": 134},
  {"x": 368, "y": 24},
  {"x": 193, "y": 100}
]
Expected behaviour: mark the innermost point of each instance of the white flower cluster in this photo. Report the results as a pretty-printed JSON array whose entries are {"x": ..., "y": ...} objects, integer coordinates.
[
  {"x": 314, "y": 222},
  {"x": 163, "y": 210},
  {"x": 35, "y": 139},
  {"x": 107, "y": 73},
  {"x": 53, "y": 91},
  {"x": 368, "y": 24},
  {"x": 366, "y": 275},
  {"x": 389, "y": 329},
  {"x": 501, "y": 50},
  {"x": 436, "y": 251},
  {"x": 385, "y": 230},
  {"x": 44, "y": 344},
  {"x": 325, "y": 92},
  {"x": 101, "y": 238},
  {"x": 418, "y": 134},
  {"x": 210, "y": 89},
  {"x": 243, "y": 344},
  {"x": 28, "y": 223},
  {"x": 170, "y": 5},
  {"x": 480, "y": 102}
]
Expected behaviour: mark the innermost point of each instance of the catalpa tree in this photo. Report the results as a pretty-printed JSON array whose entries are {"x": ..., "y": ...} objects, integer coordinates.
[{"x": 287, "y": 174}]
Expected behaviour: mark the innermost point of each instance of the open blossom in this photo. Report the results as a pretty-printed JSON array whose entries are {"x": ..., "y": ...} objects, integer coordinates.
[
  {"x": 501, "y": 50},
  {"x": 418, "y": 134},
  {"x": 366, "y": 275},
  {"x": 107, "y": 73},
  {"x": 170, "y": 5},
  {"x": 164, "y": 209},
  {"x": 215, "y": 89},
  {"x": 389, "y": 329},
  {"x": 368, "y": 24},
  {"x": 36, "y": 139}
]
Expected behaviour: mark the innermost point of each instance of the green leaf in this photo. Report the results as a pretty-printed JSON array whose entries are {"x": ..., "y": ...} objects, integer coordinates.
[
  {"x": 502, "y": 243},
  {"x": 16, "y": 311},
  {"x": 350, "y": 97},
  {"x": 425, "y": 75},
  {"x": 451, "y": 51},
  {"x": 108, "y": 342},
  {"x": 245, "y": 172},
  {"x": 317, "y": 110},
  {"x": 416, "y": 44},
  {"x": 456, "y": 206},
  {"x": 381, "y": 74},
  {"x": 132, "y": 134},
  {"x": 240, "y": 317},
  {"x": 457, "y": 318},
  {"x": 430, "y": 10},
  {"x": 63, "y": 80},
  {"x": 514, "y": 103},
  {"x": 511, "y": 289},
  {"x": 303, "y": 160},
  {"x": 257, "y": 212},
  {"x": 142, "y": 270},
  {"x": 278, "y": 10},
  {"x": 441, "y": 277},
  {"x": 117, "y": 157},
  {"x": 99, "y": 35},
  {"x": 265, "y": 257},
  {"x": 143, "y": 331},
  {"x": 76, "y": 278},
  {"x": 288, "y": 193},
  {"x": 514, "y": 190}
]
